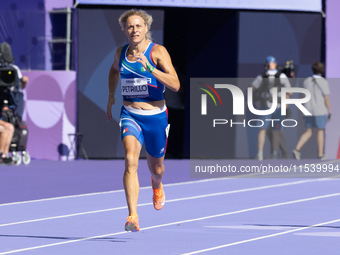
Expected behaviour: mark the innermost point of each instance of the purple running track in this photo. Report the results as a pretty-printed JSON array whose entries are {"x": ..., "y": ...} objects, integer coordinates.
[{"x": 216, "y": 216}]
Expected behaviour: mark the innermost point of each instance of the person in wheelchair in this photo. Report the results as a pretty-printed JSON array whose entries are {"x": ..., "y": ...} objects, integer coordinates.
[{"x": 6, "y": 135}]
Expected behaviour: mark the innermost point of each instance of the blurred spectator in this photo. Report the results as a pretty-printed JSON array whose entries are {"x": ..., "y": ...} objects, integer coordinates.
[
  {"x": 320, "y": 108},
  {"x": 263, "y": 89}
]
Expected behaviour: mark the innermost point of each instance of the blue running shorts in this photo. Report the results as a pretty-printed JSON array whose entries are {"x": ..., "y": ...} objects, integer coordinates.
[
  {"x": 316, "y": 121},
  {"x": 149, "y": 126}
]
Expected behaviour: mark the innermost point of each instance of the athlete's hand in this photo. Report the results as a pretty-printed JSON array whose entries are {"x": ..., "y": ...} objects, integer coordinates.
[
  {"x": 110, "y": 103},
  {"x": 141, "y": 59}
]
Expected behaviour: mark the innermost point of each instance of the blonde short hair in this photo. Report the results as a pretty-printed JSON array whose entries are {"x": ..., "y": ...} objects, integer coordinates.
[{"x": 134, "y": 12}]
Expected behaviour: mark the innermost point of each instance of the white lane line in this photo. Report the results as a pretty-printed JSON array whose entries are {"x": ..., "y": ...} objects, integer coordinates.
[
  {"x": 66, "y": 216},
  {"x": 109, "y": 192},
  {"x": 261, "y": 237},
  {"x": 321, "y": 234},
  {"x": 168, "y": 201},
  {"x": 61, "y": 243},
  {"x": 148, "y": 187},
  {"x": 250, "y": 227},
  {"x": 181, "y": 222}
]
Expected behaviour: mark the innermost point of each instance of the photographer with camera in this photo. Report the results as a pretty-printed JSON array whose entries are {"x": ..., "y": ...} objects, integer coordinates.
[
  {"x": 263, "y": 88},
  {"x": 11, "y": 99},
  {"x": 11, "y": 80}
]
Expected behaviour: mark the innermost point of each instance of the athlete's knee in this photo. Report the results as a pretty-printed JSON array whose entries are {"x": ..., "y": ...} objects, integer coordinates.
[
  {"x": 156, "y": 168},
  {"x": 131, "y": 162}
]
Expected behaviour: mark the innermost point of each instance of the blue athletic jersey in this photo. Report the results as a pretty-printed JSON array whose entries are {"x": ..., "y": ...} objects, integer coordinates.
[{"x": 137, "y": 84}]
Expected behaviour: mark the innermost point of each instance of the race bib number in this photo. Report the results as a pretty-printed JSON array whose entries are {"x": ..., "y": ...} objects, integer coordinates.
[{"x": 136, "y": 87}]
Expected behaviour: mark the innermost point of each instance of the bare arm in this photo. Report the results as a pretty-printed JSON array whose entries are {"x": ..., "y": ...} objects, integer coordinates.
[
  {"x": 161, "y": 58},
  {"x": 113, "y": 83},
  {"x": 328, "y": 105},
  {"x": 24, "y": 82},
  {"x": 257, "y": 82}
]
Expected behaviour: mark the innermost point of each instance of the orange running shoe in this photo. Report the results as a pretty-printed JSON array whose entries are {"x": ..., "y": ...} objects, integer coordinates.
[
  {"x": 158, "y": 196},
  {"x": 132, "y": 223}
]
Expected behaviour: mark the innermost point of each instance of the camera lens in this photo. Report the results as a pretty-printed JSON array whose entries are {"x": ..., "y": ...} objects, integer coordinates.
[{"x": 7, "y": 77}]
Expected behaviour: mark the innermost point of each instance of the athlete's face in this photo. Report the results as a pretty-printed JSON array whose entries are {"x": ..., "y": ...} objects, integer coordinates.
[{"x": 135, "y": 29}]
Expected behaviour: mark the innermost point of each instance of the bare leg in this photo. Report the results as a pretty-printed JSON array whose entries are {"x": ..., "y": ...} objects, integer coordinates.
[
  {"x": 261, "y": 139},
  {"x": 283, "y": 145},
  {"x": 304, "y": 138},
  {"x": 132, "y": 149},
  {"x": 321, "y": 141},
  {"x": 3, "y": 140},
  {"x": 10, "y": 131},
  {"x": 156, "y": 168},
  {"x": 6, "y": 135},
  {"x": 276, "y": 140},
  {"x": 270, "y": 138}
]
